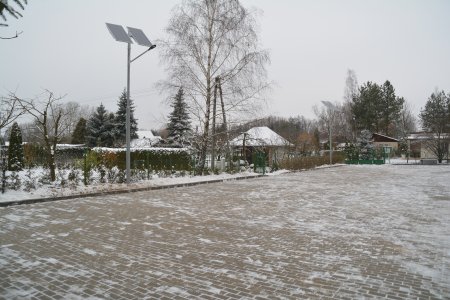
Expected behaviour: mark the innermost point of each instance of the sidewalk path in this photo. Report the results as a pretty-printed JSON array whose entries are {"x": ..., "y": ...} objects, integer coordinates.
[{"x": 339, "y": 233}]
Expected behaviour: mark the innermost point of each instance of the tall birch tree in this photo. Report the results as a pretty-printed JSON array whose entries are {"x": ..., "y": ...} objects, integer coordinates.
[{"x": 208, "y": 39}]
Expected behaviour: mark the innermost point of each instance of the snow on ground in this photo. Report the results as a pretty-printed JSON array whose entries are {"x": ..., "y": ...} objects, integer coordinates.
[
  {"x": 50, "y": 191},
  {"x": 349, "y": 232}
]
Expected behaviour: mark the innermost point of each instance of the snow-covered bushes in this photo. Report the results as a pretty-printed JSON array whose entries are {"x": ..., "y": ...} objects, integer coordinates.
[
  {"x": 80, "y": 166},
  {"x": 30, "y": 182},
  {"x": 26, "y": 180},
  {"x": 13, "y": 181}
]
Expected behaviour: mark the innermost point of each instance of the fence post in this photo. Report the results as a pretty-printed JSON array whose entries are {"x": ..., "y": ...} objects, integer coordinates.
[
  {"x": 3, "y": 172},
  {"x": 147, "y": 166},
  {"x": 85, "y": 171}
]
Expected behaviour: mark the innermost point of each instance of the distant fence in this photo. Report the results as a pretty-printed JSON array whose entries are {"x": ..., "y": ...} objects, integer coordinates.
[{"x": 310, "y": 162}]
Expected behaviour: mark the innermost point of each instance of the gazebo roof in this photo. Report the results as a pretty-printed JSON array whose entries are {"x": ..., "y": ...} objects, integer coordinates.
[{"x": 260, "y": 136}]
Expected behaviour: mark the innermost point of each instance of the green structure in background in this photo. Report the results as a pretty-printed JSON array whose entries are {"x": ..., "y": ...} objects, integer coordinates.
[
  {"x": 259, "y": 162},
  {"x": 373, "y": 157}
]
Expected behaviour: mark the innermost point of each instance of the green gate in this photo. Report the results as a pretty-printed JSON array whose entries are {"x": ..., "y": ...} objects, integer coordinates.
[{"x": 259, "y": 162}]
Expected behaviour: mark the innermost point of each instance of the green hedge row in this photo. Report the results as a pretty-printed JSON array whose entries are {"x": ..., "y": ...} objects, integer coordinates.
[{"x": 156, "y": 159}]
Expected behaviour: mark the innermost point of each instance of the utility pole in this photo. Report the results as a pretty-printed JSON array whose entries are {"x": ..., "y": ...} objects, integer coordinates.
[
  {"x": 330, "y": 111},
  {"x": 213, "y": 131},
  {"x": 227, "y": 136}
]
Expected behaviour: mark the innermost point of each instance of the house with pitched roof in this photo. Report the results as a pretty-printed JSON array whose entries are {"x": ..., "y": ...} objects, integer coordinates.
[{"x": 384, "y": 141}]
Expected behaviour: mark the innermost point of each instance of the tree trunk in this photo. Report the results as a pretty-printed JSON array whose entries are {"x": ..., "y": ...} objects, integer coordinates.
[
  {"x": 52, "y": 165},
  {"x": 205, "y": 139}
]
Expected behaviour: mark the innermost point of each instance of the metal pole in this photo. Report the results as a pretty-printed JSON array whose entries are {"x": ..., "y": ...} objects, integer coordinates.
[
  {"x": 228, "y": 152},
  {"x": 127, "y": 133},
  {"x": 330, "y": 111},
  {"x": 331, "y": 149}
]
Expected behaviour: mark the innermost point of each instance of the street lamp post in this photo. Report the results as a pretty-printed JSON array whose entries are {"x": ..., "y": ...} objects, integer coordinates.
[
  {"x": 330, "y": 108},
  {"x": 120, "y": 35}
]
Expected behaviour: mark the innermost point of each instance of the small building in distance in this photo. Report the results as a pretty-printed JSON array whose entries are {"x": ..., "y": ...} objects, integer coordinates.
[
  {"x": 423, "y": 145},
  {"x": 261, "y": 139},
  {"x": 380, "y": 140}
]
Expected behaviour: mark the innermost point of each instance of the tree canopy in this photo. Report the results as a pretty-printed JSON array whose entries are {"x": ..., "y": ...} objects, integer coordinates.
[
  {"x": 435, "y": 119},
  {"x": 435, "y": 116},
  {"x": 376, "y": 108}
]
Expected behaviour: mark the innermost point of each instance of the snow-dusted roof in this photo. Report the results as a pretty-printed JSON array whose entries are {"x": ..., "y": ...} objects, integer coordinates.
[
  {"x": 155, "y": 149},
  {"x": 145, "y": 134},
  {"x": 66, "y": 146},
  {"x": 146, "y": 139},
  {"x": 260, "y": 136},
  {"x": 385, "y": 136},
  {"x": 425, "y": 135}
]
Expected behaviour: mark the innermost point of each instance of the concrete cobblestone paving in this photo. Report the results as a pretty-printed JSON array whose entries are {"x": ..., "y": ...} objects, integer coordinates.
[{"x": 340, "y": 233}]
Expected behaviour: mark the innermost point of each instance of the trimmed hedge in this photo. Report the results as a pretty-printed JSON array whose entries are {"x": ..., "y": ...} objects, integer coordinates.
[{"x": 155, "y": 159}]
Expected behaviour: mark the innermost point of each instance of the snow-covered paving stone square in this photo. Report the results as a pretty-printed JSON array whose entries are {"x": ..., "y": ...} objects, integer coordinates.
[{"x": 334, "y": 233}]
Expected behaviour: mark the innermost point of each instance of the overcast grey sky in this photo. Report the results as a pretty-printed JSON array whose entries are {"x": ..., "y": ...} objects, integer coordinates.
[{"x": 66, "y": 48}]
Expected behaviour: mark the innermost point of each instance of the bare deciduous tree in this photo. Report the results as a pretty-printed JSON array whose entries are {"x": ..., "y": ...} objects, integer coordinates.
[
  {"x": 49, "y": 117},
  {"x": 351, "y": 86},
  {"x": 208, "y": 39},
  {"x": 407, "y": 122},
  {"x": 351, "y": 91},
  {"x": 10, "y": 110},
  {"x": 332, "y": 118},
  {"x": 307, "y": 143},
  {"x": 73, "y": 112}
]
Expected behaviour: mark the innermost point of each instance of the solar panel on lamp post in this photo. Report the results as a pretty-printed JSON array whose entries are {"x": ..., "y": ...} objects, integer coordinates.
[{"x": 120, "y": 35}]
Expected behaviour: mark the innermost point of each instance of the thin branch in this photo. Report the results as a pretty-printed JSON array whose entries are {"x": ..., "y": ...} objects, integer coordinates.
[{"x": 12, "y": 37}]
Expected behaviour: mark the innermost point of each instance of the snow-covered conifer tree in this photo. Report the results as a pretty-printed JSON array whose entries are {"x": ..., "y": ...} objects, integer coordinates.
[
  {"x": 100, "y": 128},
  {"x": 179, "y": 127},
  {"x": 365, "y": 144},
  {"x": 79, "y": 134},
  {"x": 120, "y": 120},
  {"x": 15, "y": 149}
]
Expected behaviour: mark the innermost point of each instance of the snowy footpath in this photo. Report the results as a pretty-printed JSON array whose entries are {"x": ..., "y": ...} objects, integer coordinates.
[{"x": 352, "y": 232}]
